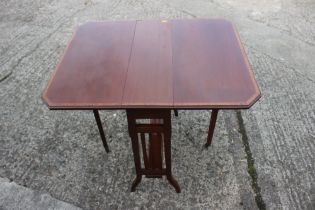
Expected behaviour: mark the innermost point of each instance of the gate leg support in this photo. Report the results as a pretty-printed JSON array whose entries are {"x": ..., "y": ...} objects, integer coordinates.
[
  {"x": 213, "y": 121},
  {"x": 176, "y": 112},
  {"x": 100, "y": 129}
]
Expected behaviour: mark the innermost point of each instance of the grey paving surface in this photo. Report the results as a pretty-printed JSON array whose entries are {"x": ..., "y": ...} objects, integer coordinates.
[
  {"x": 13, "y": 196},
  {"x": 57, "y": 155}
]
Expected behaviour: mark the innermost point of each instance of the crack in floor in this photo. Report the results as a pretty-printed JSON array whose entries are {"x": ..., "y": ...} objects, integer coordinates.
[
  {"x": 251, "y": 169},
  {"x": 281, "y": 62},
  {"x": 37, "y": 45},
  {"x": 6, "y": 76},
  {"x": 182, "y": 10}
]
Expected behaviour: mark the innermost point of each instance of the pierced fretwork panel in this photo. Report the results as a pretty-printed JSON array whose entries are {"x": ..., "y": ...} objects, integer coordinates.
[{"x": 151, "y": 142}]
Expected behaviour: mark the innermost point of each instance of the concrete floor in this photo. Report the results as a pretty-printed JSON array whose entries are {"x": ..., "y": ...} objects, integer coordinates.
[{"x": 262, "y": 158}]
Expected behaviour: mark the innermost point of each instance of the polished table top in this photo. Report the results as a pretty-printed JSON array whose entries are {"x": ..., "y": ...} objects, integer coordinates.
[{"x": 183, "y": 64}]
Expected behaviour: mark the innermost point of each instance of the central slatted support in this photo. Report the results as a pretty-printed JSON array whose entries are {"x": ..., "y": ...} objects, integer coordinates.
[{"x": 155, "y": 140}]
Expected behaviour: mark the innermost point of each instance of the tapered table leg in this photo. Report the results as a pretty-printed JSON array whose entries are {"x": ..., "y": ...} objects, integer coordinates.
[
  {"x": 168, "y": 155},
  {"x": 100, "y": 129},
  {"x": 135, "y": 148},
  {"x": 176, "y": 112},
  {"x": 213, "y": 120}
]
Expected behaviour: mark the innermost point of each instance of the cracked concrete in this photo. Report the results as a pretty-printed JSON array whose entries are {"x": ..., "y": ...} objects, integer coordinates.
[{"x": 57, "y": 156}]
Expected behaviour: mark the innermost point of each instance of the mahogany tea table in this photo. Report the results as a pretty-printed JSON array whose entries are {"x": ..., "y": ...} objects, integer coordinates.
[{"x": 148, "y": 68}]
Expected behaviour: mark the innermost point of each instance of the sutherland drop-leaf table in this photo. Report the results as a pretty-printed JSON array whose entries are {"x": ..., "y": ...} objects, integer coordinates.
[{"x": 148, "y": 68}]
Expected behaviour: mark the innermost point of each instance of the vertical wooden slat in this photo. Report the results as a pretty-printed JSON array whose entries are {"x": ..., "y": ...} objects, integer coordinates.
[
  {"x": 135, "y": 148},
  {"x": 167, "y": 149},
  {"x": 144, "y": 151},
  {"x": 155, "y": 148}
]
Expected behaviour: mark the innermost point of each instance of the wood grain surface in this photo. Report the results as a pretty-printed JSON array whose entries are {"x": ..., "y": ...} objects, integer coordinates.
[
  {"x": 209, "y": 65},
  {"x": 93, "y": 69},
  {"x": 149, "y": 78},
  {"x": 193, "y": 64}
]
